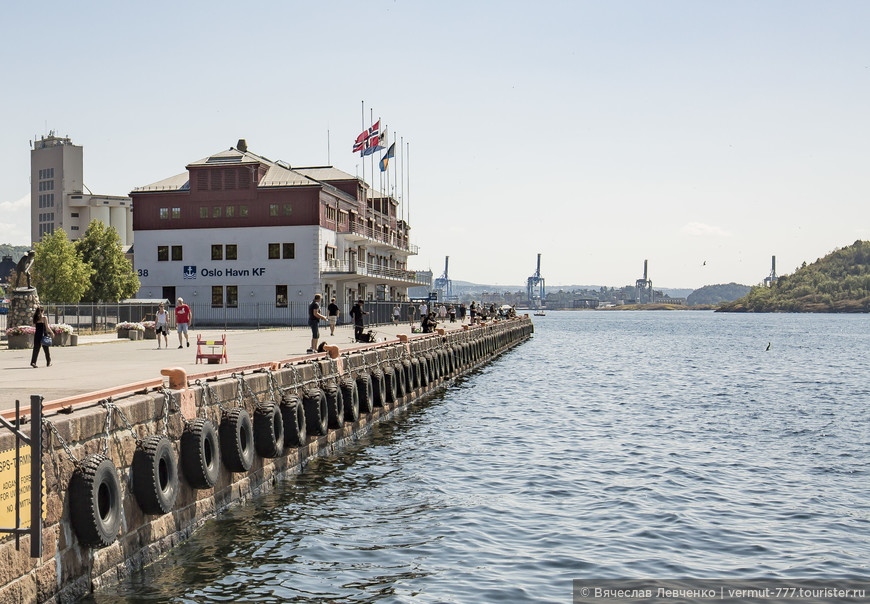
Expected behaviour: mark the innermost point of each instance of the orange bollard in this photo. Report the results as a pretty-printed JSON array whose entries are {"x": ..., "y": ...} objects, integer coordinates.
[{"x": 177, "y": 377}]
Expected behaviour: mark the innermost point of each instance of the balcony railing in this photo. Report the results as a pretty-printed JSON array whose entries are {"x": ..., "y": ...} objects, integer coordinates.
[
  {"x": 368, "y": 269},
  {"x": 378, "y": 235}
]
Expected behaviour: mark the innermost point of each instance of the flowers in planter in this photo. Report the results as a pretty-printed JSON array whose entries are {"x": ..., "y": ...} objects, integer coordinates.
[
  {"x": 62, "y": 328},
  {"x": 128, "y": 325},
  {"x": 148, "y": 324},
  {"x": 21, "y": 330}
]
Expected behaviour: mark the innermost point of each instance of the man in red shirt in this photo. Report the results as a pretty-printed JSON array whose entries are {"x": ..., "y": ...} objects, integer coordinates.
[{"x": 183, "y": 316}]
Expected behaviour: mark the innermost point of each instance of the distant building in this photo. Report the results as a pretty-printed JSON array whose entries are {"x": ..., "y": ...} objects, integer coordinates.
[
  {"x": 7, "y": 265},
  {"x": 60, "y": 199}
]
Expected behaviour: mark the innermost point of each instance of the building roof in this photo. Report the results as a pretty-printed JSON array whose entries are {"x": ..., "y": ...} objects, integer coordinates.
[
  {"x": 278, "y": 176},
  {"x": 325, "y": 173},
  {"x": 179, "y": 182}
]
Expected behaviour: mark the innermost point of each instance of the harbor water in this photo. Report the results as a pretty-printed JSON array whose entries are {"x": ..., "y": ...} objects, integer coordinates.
[{"x": 652, "y": 445}]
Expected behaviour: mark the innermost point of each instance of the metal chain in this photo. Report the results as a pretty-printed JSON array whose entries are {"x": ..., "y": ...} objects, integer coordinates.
[
  {"x": 108, "y": 425},
  {"x": 63, "y": 444},
  {"x": 110, "y": 406}
]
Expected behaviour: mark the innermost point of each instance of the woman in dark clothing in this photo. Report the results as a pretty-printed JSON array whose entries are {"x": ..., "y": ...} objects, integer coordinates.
[{"x": 42, "y": 329}]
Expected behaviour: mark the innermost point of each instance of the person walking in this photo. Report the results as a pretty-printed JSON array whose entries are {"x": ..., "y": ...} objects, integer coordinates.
[
  {"x": 357, "y": 313},
  {"x": 397, "y": 313},
  {"x": 462, "y": 311},
  {"x": 411, "y": 311},
  {"x": 332, "y": 312},
  {"x": 161, "y": 325},
  {"x": 442, "y": 313},
  {"x": 183, "y": 317},
  {"x": 40, "y": 321},
  {"x": 314, "y": 318},
  {"x": 424, "y": 310},
  {"x": 452, "y": 312},
  {"x": 473, "y": 311}
]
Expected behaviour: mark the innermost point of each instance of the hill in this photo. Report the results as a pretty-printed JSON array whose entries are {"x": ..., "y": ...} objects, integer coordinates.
[
  {"x": 839, "y": 282},
  {"x": 716, "y": 294}
]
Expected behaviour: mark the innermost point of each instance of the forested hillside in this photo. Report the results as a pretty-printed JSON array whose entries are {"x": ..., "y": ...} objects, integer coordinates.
[
  {"x": 716, "y": 294},
  {"x": 839, "y": 282}
]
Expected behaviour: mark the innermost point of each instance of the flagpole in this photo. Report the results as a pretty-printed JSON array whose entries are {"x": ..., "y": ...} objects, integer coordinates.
[
  {"x": 402, "y": 187},
  {"x": 328, "y": 160},
  {"x": 363, "y": 120}
]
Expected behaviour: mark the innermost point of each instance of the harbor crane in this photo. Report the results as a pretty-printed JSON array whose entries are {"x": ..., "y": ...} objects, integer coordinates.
[
  {"x": 771, "y": 279},
  {"x": 644, "y": 288},
  {"x": 535, "y": 288},
  {"x": 443, "y": 283}
]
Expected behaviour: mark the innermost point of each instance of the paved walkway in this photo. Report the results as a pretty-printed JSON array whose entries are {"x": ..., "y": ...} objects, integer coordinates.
[{"x": 104, "y": 361}]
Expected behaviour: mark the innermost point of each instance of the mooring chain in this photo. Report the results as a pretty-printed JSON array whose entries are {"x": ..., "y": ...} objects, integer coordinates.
[
  {"x": 201, "y": 409},
  {"x": 53, "y": 429},
  {"x": 273, "y": 385},
  {"x": 111, "y": 406},
  {"x": 333, "y": 366}
]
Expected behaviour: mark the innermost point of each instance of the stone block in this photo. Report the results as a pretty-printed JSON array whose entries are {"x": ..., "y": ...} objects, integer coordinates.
[
  {"x": 46, "y": 581},
  {"x": 22, "y": 591},
  {"x": 106, "y": 558}
]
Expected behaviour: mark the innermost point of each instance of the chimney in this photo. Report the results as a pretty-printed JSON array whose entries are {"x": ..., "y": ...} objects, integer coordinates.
[{"x": 242, "y": 145}]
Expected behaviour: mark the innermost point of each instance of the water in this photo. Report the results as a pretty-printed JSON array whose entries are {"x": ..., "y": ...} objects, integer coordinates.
[{"x": 611, "y": 445}]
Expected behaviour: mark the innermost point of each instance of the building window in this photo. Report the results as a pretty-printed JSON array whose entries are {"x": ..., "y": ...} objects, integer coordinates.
[
  {"x": 217, "y": 252},
  {"x": 176, "y": 213},
  {"x": 243, "y": 211},
  {"x": 203, "y": 211},
  {"x": 217, "y": 296},
  {"x": 74, "y": 215},
  {"x": 232, "y": 296},
  {"x": 289, "y": 251},
  {"x": 231, "y": 211},
  {"x": 273, "y": 209},
  {"x": 274, "y": 251},
  {"x": 288, "y": 209},
  {"x": 74, "y": 228},
  {"x": 232, "y": 251},
  {"x": 281, "y": 296},
  {"x": 164, "y": 213},
  {"x": 162, "y": 253},
  {"x": 329, "y": 253},
  {"x": 176, "y": 253},
  {"x": 216, "y": 212}
]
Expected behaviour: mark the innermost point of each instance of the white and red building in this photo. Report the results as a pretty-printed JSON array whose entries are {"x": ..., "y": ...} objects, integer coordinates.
[{"x": 236, "y": 227}]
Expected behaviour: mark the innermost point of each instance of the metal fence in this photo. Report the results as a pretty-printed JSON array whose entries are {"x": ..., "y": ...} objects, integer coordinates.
[{"x": 103, "y": 318}]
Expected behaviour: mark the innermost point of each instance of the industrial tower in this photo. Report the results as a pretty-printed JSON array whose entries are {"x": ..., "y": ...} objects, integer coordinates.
[
  {"x": 443, "y": 283},
  {"x": 535, "y": 288},
  {"x": 644, "y": 288},
  {"x": 771, "y": 279}
]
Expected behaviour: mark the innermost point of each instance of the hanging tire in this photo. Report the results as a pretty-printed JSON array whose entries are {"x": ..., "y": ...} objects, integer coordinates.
[
  {"x": 401, "y": 384},
  {"x": 95, "y": 501},
  {"x": 390, "y": 386},
  {"x": 237, "y": 440},
  {"x": 268, "y": 430},
  {"x": 379, "y": 388},
  {"x": 293, "y": 416},
  {"x": 200, "y": 454},
  {"x": 408, "y": 370},
  {"x": 155, "y": 475},
  {"x": 316, "y": 413},
  {"x": 415, "y": 381},
  {"x": 424, "y": 372},
  {"x": 365, "y": 390},
  {"x": 334, "y": 407},
  {"x": 350, "y": 394}
]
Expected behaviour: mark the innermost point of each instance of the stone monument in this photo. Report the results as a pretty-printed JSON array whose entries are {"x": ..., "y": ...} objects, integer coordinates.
[{"x": 24, "y": 300}]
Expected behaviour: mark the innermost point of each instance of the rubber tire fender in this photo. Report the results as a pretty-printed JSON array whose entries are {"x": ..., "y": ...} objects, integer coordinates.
[
  {"x": 200, "y": 454},
  {"x": 268, "y": 430},
  {"x": 365, "y": 390},
  {"x": 424, "y": 371},
  {"x": 334, "y": 406},
  {"x": 350, "y": 394},
  {"x": 379, "y": 388},
  {"x": 316, "y": 413},
  {"x": 401, "y": 385},
  {"x": 95, "y": 501},
  {"x": 236, "y": 434},
  {"x": 293, "y": 416},
  {"x": 408, "y": 370},
  {"x": 415, "y": 379},
  {"x": 155, "y": 475},
  {"x": 390, "y": 385}
]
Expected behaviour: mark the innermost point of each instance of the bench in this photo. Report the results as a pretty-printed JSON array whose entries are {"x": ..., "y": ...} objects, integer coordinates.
[{"x": 217, "y": 350}]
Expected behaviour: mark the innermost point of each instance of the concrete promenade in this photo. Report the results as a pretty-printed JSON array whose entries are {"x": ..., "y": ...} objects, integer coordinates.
[{"x": 104, "y": 361}]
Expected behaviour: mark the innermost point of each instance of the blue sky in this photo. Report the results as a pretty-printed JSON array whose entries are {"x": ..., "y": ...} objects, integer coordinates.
[{"x": 599, "y": 134}]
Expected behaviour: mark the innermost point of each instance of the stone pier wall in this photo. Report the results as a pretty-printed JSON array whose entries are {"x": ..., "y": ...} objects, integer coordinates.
[{"x": 68, "y": 570}]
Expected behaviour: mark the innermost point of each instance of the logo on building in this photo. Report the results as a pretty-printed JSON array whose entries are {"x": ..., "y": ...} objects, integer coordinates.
[{"x": 190, "y": 272}]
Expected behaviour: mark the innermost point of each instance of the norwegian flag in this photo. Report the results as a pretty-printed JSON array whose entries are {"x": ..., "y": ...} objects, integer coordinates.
[
  {"x": 360, "y": 143},
  {"x": 373, "y": 142}
]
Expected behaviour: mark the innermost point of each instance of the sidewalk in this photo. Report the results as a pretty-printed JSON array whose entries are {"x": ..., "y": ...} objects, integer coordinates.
[{"x": 104, "y": 361}]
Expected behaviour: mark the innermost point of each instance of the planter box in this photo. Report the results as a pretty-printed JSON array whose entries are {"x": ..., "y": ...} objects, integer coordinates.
[
  {"x": 73, "y": 339},
  {"x": 20, "y": 341},
  {"x": 135, "y": 334},
  {"x": 123, "y": 334},
  {"x": 61, "y": 339},
  {"x": 150, "y": 333}
]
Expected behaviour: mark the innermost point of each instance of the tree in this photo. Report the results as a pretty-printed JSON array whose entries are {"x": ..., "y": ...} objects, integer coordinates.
[
  {"x": 59, "y": 272},
  {"x": 113, "y": 277}
]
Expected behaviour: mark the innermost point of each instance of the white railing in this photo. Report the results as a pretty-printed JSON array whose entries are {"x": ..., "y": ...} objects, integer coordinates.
[{"x": 369, "y": 269}]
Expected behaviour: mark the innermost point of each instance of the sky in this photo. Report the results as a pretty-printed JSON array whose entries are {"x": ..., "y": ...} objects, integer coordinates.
[{"x": 704, "y": 137}]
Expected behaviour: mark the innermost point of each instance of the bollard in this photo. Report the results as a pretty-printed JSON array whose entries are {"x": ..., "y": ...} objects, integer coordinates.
[{"x": 177, "y": 377}]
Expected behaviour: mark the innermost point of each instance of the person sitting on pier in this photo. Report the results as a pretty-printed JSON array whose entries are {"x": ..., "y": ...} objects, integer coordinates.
[{"x": 429, "y": 323}]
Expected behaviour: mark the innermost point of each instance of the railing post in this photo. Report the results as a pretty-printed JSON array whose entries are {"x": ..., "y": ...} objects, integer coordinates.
[{"x": 36, "y": 476}]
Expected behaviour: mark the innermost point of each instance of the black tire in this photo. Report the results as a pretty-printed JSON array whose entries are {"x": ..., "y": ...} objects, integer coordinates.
[
  {"x": 365, "y": 389},
  {"x": 424, "y": 371},
  {"x": 390, "y": 385},
  {"x": 316, "y": 413},
  {"x": 408, "y": 370},
  {"x": 293, "y": 415},
  {"x": 95, "y": 501},
  {"x": 433, "y": 367},
  {"x": 334, "y": 406},
  {"x": 350, "y": 394},
  {"x": 401, "y": 384},
  {"x": 155, "y": 475},
  {"x": 237, "y": 440},
  {"x": 268, "y": 430},
  {"x": 415, "y": 379},
  {"x": 200, "y": 454},
  {"x": 379, "y": 388}
]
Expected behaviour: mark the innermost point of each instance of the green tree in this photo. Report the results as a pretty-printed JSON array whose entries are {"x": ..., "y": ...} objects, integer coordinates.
[
  {"x": 59, "y": 272},
  {"x": 113, "y": 277}
]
